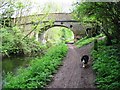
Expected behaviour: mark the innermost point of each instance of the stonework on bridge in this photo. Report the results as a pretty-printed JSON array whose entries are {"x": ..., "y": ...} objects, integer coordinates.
[{"x": 59, "y": 19}]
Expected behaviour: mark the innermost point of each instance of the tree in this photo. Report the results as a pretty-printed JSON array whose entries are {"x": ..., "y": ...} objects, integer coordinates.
[
  {"x": 12, "y": 35},
  {"x": 105, "y": 14}
]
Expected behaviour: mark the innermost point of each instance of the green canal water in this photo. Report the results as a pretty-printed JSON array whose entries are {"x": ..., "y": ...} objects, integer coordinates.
[{"x": 13, "y": 63}]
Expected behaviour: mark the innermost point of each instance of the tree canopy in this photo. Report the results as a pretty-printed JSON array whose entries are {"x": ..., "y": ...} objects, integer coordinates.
[
  {"x": 104, "y": 14},
  {"x": 14, "y": 38}
]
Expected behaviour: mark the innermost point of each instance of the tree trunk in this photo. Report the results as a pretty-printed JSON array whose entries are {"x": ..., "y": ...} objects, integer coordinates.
[{"x": 108, "y": 36}]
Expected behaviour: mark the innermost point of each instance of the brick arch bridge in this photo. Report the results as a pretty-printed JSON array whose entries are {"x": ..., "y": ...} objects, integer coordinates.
[
  {"x": 60, "y": 19},
  {"x": 41, "y": 36}
]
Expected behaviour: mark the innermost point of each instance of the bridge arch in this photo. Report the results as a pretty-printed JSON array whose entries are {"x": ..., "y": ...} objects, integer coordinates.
[
  {"x": 70, "y": 26},
  {"x": 60, "y": 19},
  {"x": 69, "y": 38},
  {"x": 56, "y": 25}
]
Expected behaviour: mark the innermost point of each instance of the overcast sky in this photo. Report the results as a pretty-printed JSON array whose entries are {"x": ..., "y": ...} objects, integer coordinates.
[
  {"x": 41, "y": 6},
  {"x": 56, "y": 5},
  {"x": 60, "y": 5}
]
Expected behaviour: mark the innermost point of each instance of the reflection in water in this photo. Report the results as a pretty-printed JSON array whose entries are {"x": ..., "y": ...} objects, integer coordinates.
[{"x": 13, "y": 63}]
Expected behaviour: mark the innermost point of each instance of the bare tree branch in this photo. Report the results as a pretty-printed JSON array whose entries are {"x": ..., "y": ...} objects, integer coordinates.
[
  {"x": 34, "y": 27},
  {"x": 3, "y": 5}
]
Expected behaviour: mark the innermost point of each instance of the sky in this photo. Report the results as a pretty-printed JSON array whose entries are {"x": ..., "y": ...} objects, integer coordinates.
[
  {"x": 65, "y": 5},
  {"x": 56, "y": 6},
  {"x": 43, "y": 6}
]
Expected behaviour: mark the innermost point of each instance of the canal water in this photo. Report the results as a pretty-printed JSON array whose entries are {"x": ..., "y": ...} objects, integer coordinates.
[{"x": 13, "y": 63}]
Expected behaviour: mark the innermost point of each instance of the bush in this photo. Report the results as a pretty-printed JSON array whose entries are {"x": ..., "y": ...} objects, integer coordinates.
[
  {"x": 106, "y": 66},
  {"x": 40, "y": 71},
  {"x": 12, "y": 42}
]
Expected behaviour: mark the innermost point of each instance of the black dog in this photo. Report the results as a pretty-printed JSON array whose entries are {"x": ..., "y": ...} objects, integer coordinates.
[{"x": 84, "y": 60}]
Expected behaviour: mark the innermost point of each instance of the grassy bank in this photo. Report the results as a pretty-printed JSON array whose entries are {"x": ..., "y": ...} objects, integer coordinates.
[
  {"x": 85, "y": 40},
  {"x": 40, "y": 71},
  {"x": 106, "y": 64}
]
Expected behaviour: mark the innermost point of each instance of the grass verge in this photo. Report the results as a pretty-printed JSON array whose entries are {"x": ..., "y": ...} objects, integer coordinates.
[
  {"x": 85, "y": 40},
  {"x": 106, "y": 64},
  {"x": 40, "y": 71}
]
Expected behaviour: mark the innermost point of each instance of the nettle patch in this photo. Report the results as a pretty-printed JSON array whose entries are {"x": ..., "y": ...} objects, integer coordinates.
[
  {"x": 39, "y": 72},
  {"x": 107, "y": 68}
]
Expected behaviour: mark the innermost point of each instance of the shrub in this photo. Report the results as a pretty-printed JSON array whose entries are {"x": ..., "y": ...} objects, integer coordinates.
[
  {"x": 12, "y": 42},
  {"x": 106, "y": 66}
]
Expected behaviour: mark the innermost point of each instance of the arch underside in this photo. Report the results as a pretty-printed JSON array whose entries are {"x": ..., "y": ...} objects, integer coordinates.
[
  {"x": 45, "y": 34},
  {"x": 57, "y": 25},
  {"x": 76, "y": 28},
  {"x": 60, "y": 26}
]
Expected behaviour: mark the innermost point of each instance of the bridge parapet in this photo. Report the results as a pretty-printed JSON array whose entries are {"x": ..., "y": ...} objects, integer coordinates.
[
  {"x": 43, "y": 17},
  {"x": 60, "y": 19}
]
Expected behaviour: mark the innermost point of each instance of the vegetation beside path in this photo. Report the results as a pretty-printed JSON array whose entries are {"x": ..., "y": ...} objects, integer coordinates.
[
  {"x": 39, "y": 72},
  {"x": 86, "y": 40},
  {"x": 105, "y": 63}
]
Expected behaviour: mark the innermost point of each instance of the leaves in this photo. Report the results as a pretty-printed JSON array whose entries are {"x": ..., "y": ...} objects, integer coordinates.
[
  {"x": 39, "y": 72},
  {"x": 12, "y": 43},
  {"x": 85, "y": 40},
  {"x": 106, "y": 65},
  {"x": 105, "y": 14},
  {"x": 57, "y": 35}
]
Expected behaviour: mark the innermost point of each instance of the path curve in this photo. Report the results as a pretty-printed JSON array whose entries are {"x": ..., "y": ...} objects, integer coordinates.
[{"x": 71, "y": 74}]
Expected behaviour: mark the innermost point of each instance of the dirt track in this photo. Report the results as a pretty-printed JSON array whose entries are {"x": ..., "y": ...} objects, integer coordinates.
[{"x": 71, "y": 74}]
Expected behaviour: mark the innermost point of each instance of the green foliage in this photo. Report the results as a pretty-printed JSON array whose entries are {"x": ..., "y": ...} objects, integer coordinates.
[
  {"x": 86, "y": 40},
  {"x": 12, "y": 42},
  {"x": 105, "y": 14},
  {"x": 106, "y": 66},
  {"x": 9, "y": 9},
  {"x": 57, "y": 35},
  {"x": 40, "y": 71}
]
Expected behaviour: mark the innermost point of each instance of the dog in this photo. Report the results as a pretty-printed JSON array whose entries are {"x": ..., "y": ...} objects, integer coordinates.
[{"x": 84, "y": 60}]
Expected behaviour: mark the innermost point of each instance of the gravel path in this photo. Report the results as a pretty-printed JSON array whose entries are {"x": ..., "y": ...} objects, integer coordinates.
[{"x": 71, "y": 74}]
